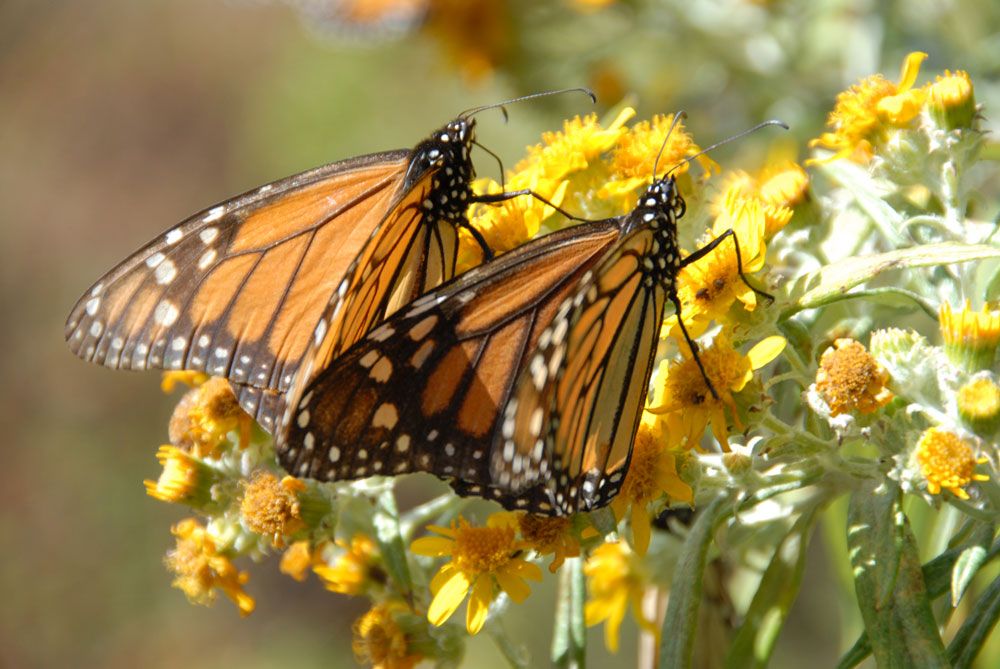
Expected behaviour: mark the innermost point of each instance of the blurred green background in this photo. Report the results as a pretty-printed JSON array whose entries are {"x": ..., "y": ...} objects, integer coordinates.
[{"x": 119, "y": 118}]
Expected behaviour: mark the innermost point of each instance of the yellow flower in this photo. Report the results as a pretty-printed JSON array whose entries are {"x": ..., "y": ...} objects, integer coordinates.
[
  {"x": 779, "y": 188},
  {"x": 970, "y": 337},
  {"x": 296, "y": 560},
  {"x": 355, "y": 569},
  {"x": 951, "y": 100},
  {"x": 185, "y": 478},
  {"x": 684, "y": 403},
  {"x": 546, "y": 171},
  {"x": 979, "y": 404},
  {"x": 709, "y": 287},
  {"x": 863, "y": 113},
  {"x": 187, "y": 377},
  {"x": 615, "y": 578},
  {"x": 652, "y": 471},
  {"x": 948, "y": 462},
  {"x": 200, "y": 569},
  {"x": 592, "y": 5},
  {"x": 206, "y": 415},
  {"x": 850, "y": 379},
  {"x": 633, "y": 159},
  {"x": 271, "y": 507},
  {"x": 484, "y": 561},
  {"x": 555, "y": 535},
  {"x": 784, "y": 184},
  {"x": 380, "y": 641}
]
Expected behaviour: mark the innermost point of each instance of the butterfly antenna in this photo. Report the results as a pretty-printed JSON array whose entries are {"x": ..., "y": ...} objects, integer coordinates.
[
  {"x": 502, "y": 105},
  {"x": 678, "y": 117},
  {"x": 746, "y": 132}
]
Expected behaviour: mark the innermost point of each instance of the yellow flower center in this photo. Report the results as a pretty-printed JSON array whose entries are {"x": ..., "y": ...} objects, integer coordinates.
[
  {"x": 947, "y": 462},
  {"x": 480, "y": 550},
  {"x": 379, "y": 641},
  {"x": 979, "y": 400},
  {"x": 641, "y": 484},
  {"x": 637, "y": 151},
  {"x": 184, "y": 478},
  {"x": 269, "y": 506},
  {"x": 543, "y": 532},
  {"x": 850, "y": 379}
]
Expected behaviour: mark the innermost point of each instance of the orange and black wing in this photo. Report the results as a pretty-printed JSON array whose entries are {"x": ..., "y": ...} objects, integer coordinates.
[
  {"x": 228, "y": 290},
  {"x": 571, "y": 420},
  {"x": 424, "y": 391}
]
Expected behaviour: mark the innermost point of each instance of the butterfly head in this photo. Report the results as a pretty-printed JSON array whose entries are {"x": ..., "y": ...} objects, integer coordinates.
[
  {"x": 447, "y": 152},
  {"x": 659, "y": 208}
]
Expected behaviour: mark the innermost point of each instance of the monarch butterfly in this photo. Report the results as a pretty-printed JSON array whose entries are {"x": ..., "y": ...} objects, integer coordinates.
[
  {"x": 522, "y": 380},
  {"x": 302, "y": 266}
]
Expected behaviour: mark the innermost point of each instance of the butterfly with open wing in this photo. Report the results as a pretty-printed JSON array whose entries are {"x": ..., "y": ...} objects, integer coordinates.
[
  {"x": 299, "y": 269},
  {"x": 522, "y": 380}
]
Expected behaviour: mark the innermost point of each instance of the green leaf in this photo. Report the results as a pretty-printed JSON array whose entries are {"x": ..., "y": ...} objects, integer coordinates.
[
  {"x": 977, "y": 627},
  {"x": 888, "y": 581},
  {"x": 937, "y": 577},
  {"x": 968, "y": 563},
  {"x": 868, "y": 195},
  {"x": 677, "y": 638},
  {"x": 830, "y": 283},
  {"x": 778, "y": 588},
  {"x": 386, "y": 522},
  {"x": 569, "y": 642}
]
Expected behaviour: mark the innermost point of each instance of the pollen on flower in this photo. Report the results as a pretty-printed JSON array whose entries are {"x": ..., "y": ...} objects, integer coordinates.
[
  {"x": 850, "y": 379},
  {"x": 205, "y": 416},
  {"x": 550, "y": 535},
  {"x": 184, "y": 479},
  {"x": 200, "y": 569},
  {"x": 270, "y": 507},
  {"x": 381, "y": 642},
  {"x": 581, "y": 141},
  {"x": 639, "y": 148},
  {"x": 484, "y": 560},
  {"x": 947, "y": 462},
  {"x": 354, "y": 569},
  {"x": 970, "y": 337},
  {"x": 863, "y": 113}
]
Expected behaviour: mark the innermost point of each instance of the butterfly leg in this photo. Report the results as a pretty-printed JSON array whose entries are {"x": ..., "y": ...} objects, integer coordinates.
[
  {"x": 691, "y": 343},
  {"x": 707, "y": 248}
]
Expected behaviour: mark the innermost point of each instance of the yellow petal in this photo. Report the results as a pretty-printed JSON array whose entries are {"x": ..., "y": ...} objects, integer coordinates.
[
  {"x": 440, "y": 578},
  {"x": 432, "y": 546},
  {"x": 911, "y": 68},
  {"x": 526, "y": 570},
  {"x": 616, "y": 612},
  {"x": 624, "y": 116},
  {"x": 513, "y": 585},
  {"x": 766, "y": 350},
  {"x": 479, "y": 605},
  {"x": 448, "y": 598},
  {"x": 640, "y": 528}
]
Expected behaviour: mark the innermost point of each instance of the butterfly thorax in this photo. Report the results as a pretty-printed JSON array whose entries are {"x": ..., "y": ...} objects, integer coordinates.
[
  {"x": 658, "y": 210},
  {"x": 448, "y": 152}
]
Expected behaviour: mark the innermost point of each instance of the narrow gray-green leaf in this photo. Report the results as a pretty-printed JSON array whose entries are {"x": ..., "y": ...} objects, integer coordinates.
[
  {"x": 386, "y": 521},
  {"x": 868, "y": 195},
  {"x": 778, "y": 588},
  {"x": 901, "y": 628},
  {"x": 977, "y": 627},
  {"x": 966, "y": 567},
  {"x": 677, "y": 637},
  {"x": 937, "y": 576},
  {"x": 569, "y": 642},
  {"x": 830, "y": 283}
]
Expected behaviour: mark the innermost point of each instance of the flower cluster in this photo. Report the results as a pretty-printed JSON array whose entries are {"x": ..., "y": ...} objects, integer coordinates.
[{"x": 761, "y": 387}]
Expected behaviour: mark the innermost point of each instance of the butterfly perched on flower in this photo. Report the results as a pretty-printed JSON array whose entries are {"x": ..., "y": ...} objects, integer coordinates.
[
  {"x": 522, "y": 380},
  {"x": 310, "y": 263}
]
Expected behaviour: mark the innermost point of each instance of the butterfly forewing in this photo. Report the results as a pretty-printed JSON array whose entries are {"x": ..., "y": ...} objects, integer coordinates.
[
  {"x": 222, "y": 291},
  {"x": 579, "y": 399},
  {"x": 424, "y": 390},
  {"x": 249, "y": 289}
]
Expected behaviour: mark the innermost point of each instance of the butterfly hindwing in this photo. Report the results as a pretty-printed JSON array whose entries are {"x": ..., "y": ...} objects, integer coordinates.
[{"x": 423, "y": 391}]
